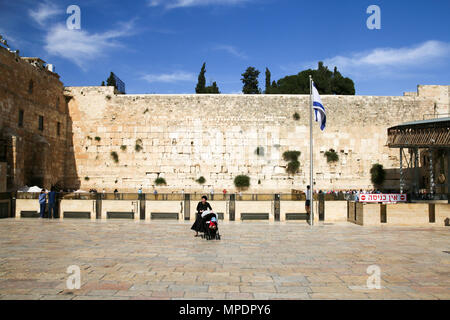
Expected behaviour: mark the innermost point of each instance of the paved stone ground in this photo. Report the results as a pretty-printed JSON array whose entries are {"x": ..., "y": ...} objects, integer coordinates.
[{"x": 162, "y": 260}]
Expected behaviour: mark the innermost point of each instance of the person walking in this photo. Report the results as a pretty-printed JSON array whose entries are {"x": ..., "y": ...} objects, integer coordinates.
[
  {"x": 42, "y": 203},
  {"x": 52, "y": 203},
  {"x": 201, "y": 207}
]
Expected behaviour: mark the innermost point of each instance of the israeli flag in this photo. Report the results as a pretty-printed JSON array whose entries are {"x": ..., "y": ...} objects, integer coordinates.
[{"x": 319, "y": 110}]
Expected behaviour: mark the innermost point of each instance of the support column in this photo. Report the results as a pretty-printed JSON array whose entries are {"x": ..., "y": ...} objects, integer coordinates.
[
  {"x": 416, "y": 171},
  {"x": 447, "y": 175},
  {"x": 401, "y": 170},
  {"x": 431, "y": 173}
]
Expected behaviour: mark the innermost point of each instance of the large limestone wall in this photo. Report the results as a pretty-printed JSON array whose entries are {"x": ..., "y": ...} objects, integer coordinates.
[
  {"x": 216, "y": 136},
  {"x": 33, "y": 156}
]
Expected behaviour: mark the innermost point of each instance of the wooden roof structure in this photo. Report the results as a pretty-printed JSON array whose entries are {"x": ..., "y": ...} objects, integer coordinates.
[{"x": 433, "y": 133}]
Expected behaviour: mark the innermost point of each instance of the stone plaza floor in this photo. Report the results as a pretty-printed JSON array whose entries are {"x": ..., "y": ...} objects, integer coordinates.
[{"x": 122, "y": 259}]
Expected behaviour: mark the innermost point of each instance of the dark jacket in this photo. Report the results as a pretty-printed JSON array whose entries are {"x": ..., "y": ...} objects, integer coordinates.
[
  {"x": 52, "y": 197},
  {"x": 203, "y": 207}
]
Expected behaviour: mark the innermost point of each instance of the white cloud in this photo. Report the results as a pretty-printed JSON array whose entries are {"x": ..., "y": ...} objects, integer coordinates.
[
  {"x": 172, "y": 4},
  {"x": 232, "y": 50},
  {"x": 391, "y": 57},
  {"x": 170, "y": 77},
  {"x": 80, "y": 46},
  {"x": 44, "y": 12},
  {"x": 396, "y": 62}
]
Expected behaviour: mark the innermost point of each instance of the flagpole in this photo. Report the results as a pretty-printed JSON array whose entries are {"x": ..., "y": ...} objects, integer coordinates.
[{"x": 311, "y": 159}]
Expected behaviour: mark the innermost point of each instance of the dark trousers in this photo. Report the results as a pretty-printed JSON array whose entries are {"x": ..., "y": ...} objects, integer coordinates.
[
  {"x": 51, "y": 211},
  {"x": 42, "y": 212}
]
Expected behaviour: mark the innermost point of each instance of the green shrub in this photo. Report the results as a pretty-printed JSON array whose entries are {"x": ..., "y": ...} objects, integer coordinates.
[
  {"x": 98, "y": 139},
  {"x": 296, "y": 116},
  {"x": 138, "y": 147},
  {"x": 115, "y": 156},
  {"x": 293, "y": 167},
  {"x": 242, "y": 182},
  {"x": 160, "y": 182},
  {"x": 291, "y": 155},
  {"x": 292, "y": 158},
  {"x": 377, "y": 174},
  {"x": 201, "y": 180},
  {"x": 332, "y": 156},
  {"x": 259, "y": 151}
]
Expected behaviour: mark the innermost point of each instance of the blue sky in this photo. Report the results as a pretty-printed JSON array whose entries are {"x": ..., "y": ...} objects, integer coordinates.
[{"x": 158, "y": 46}]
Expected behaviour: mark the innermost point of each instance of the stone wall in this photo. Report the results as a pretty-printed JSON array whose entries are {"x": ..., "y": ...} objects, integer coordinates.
[
  {"x": 34, "y": 156},
  {"x": 184, "y": 137}
]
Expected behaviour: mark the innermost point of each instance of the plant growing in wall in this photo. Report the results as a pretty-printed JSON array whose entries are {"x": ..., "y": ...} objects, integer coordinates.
[
  {"x": 123, "y": 147},
  {"x": 242, "y": 182},
  {"x": 293, "y": 167},
  {"x": 138, "y": 147},
  {"x": 160, "y": 182},
  {"x": 332, "y": 156},
  {"x": 115, "y": 156},
  {"x": 201, "y": 180},
  {"x": 377, "y": 174},
  {"x": 292, "y": 159},
  {"x": 259, "y": 151},
  {"x": 86, "y": 178},
  {"x": 98, "y": 139},
  {"x": 296, "y": 116}
]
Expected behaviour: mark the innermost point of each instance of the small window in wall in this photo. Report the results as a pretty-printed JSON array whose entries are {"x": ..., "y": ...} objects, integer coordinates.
[
  {"x": 58, "y": 128},
  {"x": 21, "y": 114},
  {"x": 30, "y": 87},
  {"x": 41, "y": 123}
]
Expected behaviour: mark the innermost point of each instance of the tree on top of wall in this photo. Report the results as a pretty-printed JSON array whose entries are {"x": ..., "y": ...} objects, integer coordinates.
[
  {"x": 250, "y": 81},
  {"x": 201, "y": 87}
]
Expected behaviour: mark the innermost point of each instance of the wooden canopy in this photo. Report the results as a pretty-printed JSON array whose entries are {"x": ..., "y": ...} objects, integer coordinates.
[{"x": 421, "y": 134}]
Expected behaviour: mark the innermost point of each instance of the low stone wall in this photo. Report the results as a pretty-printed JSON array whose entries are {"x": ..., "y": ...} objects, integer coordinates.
[
  {"x": 442, "y": 212},
  {"x": 408, "y": 214},
  {"x": 26, "y": 205},
  {"x": 254, "y": 207},
  {"x": 412, "y": 214},
  {"x": 402, "y": 214},
  {"x": 164, "y": 207},
  {"x": 122, "y": 206},
  {"x": 335, "y": 211},
  {"x": 78, "y": 206}
]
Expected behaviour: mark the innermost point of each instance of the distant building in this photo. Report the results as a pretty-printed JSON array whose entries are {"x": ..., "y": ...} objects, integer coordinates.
[{"x": 120, "y": 85}]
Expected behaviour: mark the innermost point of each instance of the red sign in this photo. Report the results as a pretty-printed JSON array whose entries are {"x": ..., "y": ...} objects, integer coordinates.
[{"x": 382, "y": 198}]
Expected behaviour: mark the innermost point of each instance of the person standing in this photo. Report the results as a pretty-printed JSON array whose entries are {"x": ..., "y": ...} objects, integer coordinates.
[
  {"x": 51, "y": 203},
  {"x": 42, "y": 203},
  {"x": 308, "y": 200},
  {"x": 201, "y": 207}
]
